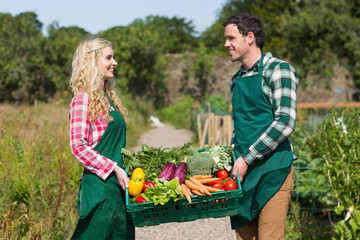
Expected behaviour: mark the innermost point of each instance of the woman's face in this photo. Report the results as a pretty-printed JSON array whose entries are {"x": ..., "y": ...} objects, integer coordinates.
[{"x": 108, "y": 62}]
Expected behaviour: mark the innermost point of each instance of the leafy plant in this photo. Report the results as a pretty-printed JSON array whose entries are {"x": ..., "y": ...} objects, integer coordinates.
[
  {"x": 179, "y": 114},
  {"x": 38, "y": 175},
  {"x": 306, "y": 225},
  {"x": 311, "y": 188},
  {"x": 337, "y": 142}
]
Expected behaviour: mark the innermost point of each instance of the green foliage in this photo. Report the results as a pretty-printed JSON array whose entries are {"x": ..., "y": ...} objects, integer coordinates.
[
  {"x": 38, "y": 174},
  {"x": 141, "y": 49},
  {"x": 202, "y": 68},
  {"x": 306, "y": 225},
  {"x": 218, "y": 105},
  {"x": 59, "y": 48},
  {"x": 179, "y": 114},
  {"x": 314, "y": 35},
  {"x": 327, "y": 33},
  {"x": 213, "y": 38},
  {"x": 337, "y": 143},
  {"x": 348, "y": 229},
  {"x": 199, "y": 65},
  {"x": 20, "y": 191},
  {"x": 141, "y": 65},
  {"x": 21, "y": 60},
  {"x": 311, "y": 188},
  {"x": 175, "y": 33},
  {"x": 269, "y": 12}
]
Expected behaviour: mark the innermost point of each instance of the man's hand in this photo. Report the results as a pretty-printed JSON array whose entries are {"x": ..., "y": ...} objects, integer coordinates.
[
  {"x": 121, "y": 176},
  {"x": 240, "y": 166}
]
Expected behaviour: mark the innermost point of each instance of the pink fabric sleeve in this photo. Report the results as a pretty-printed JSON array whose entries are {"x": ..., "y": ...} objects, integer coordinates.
[{"x": 80, "y": 144}]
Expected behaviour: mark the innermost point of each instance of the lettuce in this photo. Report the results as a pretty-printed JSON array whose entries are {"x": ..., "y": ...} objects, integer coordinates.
[{"x": 164, "y": 191}]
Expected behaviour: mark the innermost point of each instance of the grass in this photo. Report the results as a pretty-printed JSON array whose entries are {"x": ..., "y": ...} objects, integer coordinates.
[{"x": 38, "y": 174}]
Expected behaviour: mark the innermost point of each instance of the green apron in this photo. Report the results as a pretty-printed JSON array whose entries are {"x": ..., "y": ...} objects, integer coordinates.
[
  {"x": 101, "y": 204},
  {"x": 253, "y": 114}
]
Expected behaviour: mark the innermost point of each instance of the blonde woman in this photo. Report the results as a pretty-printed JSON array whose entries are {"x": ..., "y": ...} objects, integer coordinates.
[{"x": 97, "y": 135}]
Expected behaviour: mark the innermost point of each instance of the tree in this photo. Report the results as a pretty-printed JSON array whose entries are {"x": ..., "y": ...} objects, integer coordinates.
[
  {"x": 323, "y": 33},
  {"x": 140, "y": 58},
  {"x": 176, "y": 35},
  {"x": 58, "y": 52},
  {"x": 268, "y": 11},
  {"x": 22, "y": 75}
]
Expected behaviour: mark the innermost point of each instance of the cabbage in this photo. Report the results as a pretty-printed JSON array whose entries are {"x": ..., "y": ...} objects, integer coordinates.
[{"x": 222, "y": 155}]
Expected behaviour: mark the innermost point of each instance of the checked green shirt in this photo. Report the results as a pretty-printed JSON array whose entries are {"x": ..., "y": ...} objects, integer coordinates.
[{"x": 281, "y": 93}]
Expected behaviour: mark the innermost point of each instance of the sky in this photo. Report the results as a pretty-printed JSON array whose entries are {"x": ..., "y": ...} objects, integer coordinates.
[{"x": 95, "y": 16}]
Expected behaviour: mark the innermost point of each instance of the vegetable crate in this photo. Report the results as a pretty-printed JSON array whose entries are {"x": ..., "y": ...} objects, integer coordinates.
[{"x": 219, "y": 204}]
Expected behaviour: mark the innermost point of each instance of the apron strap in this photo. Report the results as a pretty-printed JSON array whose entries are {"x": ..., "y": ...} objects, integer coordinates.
[{"x": 112, "y": 104}]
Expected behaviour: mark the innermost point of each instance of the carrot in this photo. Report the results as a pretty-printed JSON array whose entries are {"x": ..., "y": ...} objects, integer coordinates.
[
  {"x": 193, "y": 186},
  {"x": 208, "y": 180},
  {"x": 211, "y": 189},
  {"x": 197, "y": 193},
  {"x": 202, "y": 176},
  {"x": 196, "y": 181},
  {"x": 186, "y": 191}
]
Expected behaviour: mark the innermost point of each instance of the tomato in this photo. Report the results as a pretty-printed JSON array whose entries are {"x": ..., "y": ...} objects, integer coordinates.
[
  {"x": 147, "y": 185},
  {"x": 223, "y": 174},
  {"x": 230, "y": 185},
  {"x": 218, "y": 185},
  {"x": 138, "y": 173},
  {"x": 135, "y": 187}
]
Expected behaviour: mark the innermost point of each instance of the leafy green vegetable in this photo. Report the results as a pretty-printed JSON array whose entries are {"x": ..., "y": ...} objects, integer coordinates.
[
  {"x": 164, "y": 191},
  {"x": 152, "y": 160},
  {"x": 200, "y": 164},
  {"x": 223, "y": 156}
]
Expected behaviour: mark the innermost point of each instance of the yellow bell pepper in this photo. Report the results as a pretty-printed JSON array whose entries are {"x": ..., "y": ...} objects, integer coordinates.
[
  {"x": 138, "y": 173},
  {"x": 135, "y": 187}
]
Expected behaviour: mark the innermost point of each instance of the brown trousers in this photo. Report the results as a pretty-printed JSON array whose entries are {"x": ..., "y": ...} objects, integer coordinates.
[{"x": 271, "y": 223}]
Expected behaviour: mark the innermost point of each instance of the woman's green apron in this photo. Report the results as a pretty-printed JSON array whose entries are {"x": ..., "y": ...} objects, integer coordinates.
[
  {"x": 101, "y": 204},
  {"x": 253, "y": 114}
]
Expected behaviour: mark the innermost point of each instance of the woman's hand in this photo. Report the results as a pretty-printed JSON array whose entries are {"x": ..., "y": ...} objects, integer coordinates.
[
  {"x": 122, "y": 177},
  {"x": 240, "y": 166}
]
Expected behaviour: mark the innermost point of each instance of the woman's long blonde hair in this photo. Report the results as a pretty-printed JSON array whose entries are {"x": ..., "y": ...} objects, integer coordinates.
[{"x": 87, "y": 76}]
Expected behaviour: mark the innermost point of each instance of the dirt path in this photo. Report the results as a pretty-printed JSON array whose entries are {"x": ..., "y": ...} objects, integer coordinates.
[{"x": 209, "y": 228}]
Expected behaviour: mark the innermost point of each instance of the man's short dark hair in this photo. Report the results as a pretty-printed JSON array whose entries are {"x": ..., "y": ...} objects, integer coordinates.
[{"x": 248, "y": 23}]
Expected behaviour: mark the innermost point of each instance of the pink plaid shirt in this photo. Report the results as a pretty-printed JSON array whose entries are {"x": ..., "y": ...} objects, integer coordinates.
[{"x": 84, "y": 136}]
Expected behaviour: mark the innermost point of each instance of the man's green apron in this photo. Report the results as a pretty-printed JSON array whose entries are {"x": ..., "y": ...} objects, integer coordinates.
[
  {"x": 253, "y": 114},
  {"x": 101, "y": 204}
]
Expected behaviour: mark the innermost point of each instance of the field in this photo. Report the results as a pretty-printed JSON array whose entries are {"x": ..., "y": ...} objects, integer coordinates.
[{"x": 39, "y": 176}]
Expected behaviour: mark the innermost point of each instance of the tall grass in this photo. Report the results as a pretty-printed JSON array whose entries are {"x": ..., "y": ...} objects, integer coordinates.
[{"x": 38, "y": 174}]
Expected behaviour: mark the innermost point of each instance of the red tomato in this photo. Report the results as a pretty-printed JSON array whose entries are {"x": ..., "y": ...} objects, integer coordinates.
[
  {"x": 230, "y": 185},
  {"x": 217, "y": 185},
  {"x": 223, "y": 174}
]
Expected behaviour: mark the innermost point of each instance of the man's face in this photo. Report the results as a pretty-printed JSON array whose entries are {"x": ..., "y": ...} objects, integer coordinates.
[{"x": 235, "y": 42}]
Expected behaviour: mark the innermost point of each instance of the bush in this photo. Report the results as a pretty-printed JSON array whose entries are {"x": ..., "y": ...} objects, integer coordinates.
[
  {"x": 337, "y": 142},
  {"x": 178, "y": 115}
]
